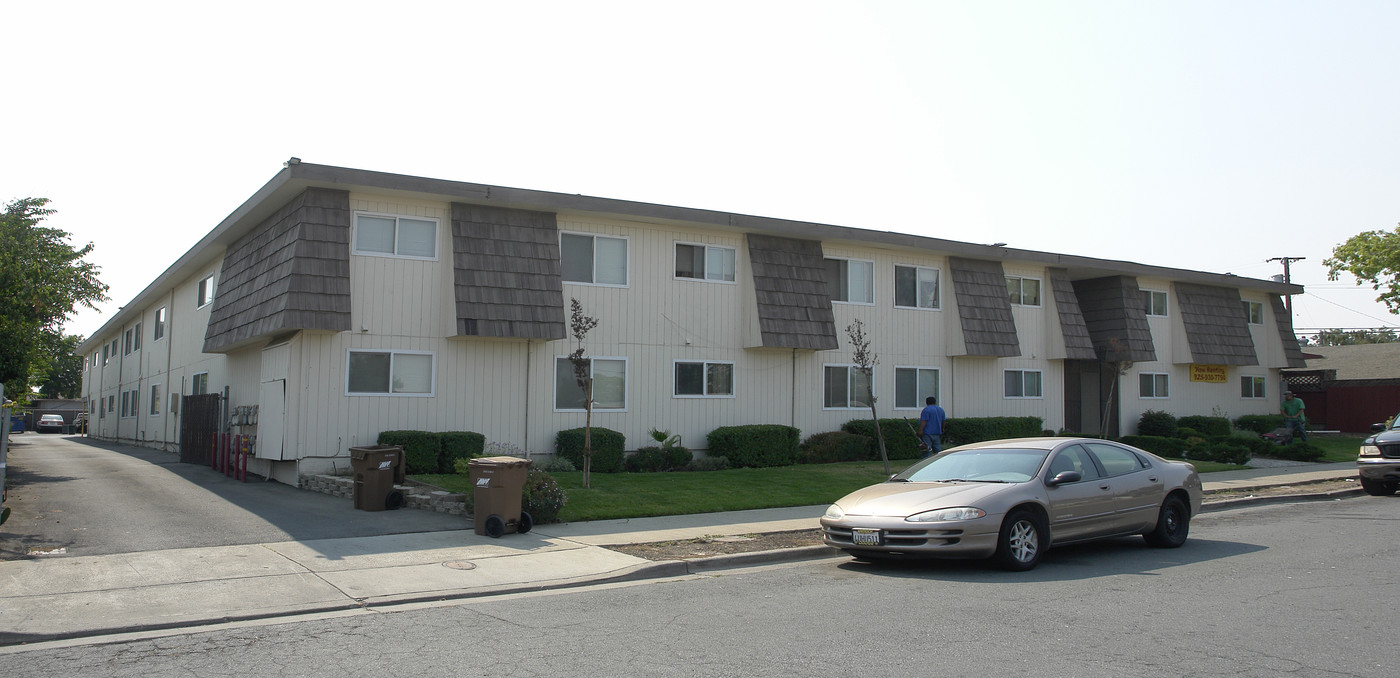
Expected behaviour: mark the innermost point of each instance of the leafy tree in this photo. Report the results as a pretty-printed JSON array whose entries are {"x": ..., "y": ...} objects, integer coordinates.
[
  {"x": 63, "y": 367},
  {"x": 865, "y": 362},
  {"x": 580, "y": 325},
  {"x": 1374, "y": 258},
  {"x": 43, "y": 280},
  {"x": 1340, "y": 337}
]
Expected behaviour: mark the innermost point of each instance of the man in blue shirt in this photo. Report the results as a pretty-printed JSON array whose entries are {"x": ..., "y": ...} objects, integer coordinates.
[{"x": 931, "y": 426}]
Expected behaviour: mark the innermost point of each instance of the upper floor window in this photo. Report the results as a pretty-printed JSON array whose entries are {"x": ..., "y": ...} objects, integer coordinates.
[
  {"x": 393, "y": 236},
  {"x": 1254, "y": 312},
  {"x": 609, "y": 377},
  {"x": 1152, "y": 385},
  {"x": 700, "y": 379},
  {"x": 106, "y": 354},
  {"x": 1252, "y": 387},
  {"x": 915, "y": 287},
  {"x": 851, "y": 280},
  {"x": 199, "y": 385},
  {"x": 845, "y": 387},
  {"x": 114, "y": 347},
  {"x": 1023, "y": 291},
  {"x": 705, "y": 262},
  {"x": 593, "y": 259},
  {"x": 136, "y": 338},
  {"x": 206, "y": 292},
  {"x": 1155, "y": 301},
  {"x": 159, "y": 330},
  {"x": 913, "y": 385},
  {"x": 389, "y": 373},
  {"x": 1023, "y": 384}
]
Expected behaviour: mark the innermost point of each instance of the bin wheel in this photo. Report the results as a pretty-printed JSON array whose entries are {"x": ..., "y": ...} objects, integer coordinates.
[
  {"x": 394, "y": 500},
  {"x": 526, "y": 523},
  {"x": 495, "y": 526}
]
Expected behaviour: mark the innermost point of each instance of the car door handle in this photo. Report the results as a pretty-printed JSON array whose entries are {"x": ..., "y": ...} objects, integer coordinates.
[{"x": 1104, "y": 488}]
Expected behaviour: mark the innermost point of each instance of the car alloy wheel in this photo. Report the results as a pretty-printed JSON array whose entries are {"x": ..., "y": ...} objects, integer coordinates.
[{"x": 1022, "y": 541}]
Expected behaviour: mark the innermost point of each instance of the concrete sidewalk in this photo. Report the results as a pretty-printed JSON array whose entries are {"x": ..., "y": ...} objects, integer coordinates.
[{"x": 81, "y": 597}]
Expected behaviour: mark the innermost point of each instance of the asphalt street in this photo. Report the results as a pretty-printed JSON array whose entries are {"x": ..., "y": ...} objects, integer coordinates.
[{"x": 73, "y": 496}]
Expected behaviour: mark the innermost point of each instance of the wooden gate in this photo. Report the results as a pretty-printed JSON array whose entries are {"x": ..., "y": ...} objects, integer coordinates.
[{"x": 199, "y": 423}]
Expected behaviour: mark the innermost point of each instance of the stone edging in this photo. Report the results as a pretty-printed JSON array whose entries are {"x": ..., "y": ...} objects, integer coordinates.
[{"x": 416, "y": 496}]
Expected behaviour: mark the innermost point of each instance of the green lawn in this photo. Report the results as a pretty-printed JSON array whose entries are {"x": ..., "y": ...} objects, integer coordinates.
[{"x": 638, "y": 495}]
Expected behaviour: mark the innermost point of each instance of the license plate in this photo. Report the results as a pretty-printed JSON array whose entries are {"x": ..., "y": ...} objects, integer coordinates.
[{"x": 865, "y": 536}]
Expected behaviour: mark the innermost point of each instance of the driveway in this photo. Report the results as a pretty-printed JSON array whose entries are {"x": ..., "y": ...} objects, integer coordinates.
[{"x": 75, "y": 496}]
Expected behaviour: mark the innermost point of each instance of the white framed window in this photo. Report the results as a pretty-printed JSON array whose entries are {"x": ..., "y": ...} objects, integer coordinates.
[
  {"x": 1152, "y": 385},
  {"x": 609, "y": 375},
  {"x": 114, "y": 347},
  {"x": 1254, "y": 312},
  {"x": 1023, "y": 291},
  {"x": 136, "y": 338},
  {"x": 851, "y": 281},
  {"x": 158, "y": 332},
  {"x": 106, "y": 354},
  {"x": 703, "y": 379},
  {"x": 704, "y": 262},
  {"x": 395, "y": 373},
  {"x": 125, "y": 398},
  {"x": 130, "y": 403},
  {"x": 591, "y": 259},
  {"x": 388, "y": 235},
  {"x": 199, "y": 384},
  {"x": 155, "y": 399},
  {"x": 915, "y": 287},
  {"x": 913, "y": 385},
  {"x": 1155, "y": 301},
  {"x": 111, "y": 403},
  {"x": 101, "y": 408},
  {"x": 126, "y": 342},
  {"x": 205, "y": 294},
  {"x": 1252, "y": 387},
  {"x": 1023, "y": 384},
  {"x": 845, "y": 387}
]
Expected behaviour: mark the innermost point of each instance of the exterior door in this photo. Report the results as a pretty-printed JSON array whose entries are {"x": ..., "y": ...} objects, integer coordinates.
[
  {"x": 1078, "y": 510},
  {"x": 272, "y": 417}
]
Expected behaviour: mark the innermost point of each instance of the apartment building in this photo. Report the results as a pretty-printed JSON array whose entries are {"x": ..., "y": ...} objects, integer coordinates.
[{"x": 336, "y": 303}]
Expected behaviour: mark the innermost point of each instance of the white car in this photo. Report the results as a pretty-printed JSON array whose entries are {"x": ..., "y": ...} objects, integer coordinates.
[{"x": 49, "y": 422}]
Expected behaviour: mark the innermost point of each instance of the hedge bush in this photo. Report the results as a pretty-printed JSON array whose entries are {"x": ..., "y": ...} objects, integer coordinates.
[
  {"x": 656, "y": 459},
  {"x": 422, "y": 450},
  {"x": 1224, "y": 451},
  {"x": 900, "y": 440},
  {"x": 755, "y": 445},
  {"x": 1162, "y": 446},
  {"x": 1210, "y": 427},
  {"x": 608, "y": 447},
  {"x": 459, "y": 445},
  {"x": 834, "y": 446},
  {"x": 1298, "y": 451},
  {"x": 978, "y": 429},
  {"x": 1155, "y": 423},
  {"x": 1259, "y": 423}
]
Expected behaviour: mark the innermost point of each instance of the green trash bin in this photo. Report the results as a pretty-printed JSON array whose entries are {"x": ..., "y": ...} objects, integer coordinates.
[{"x": 497, "y": 485}]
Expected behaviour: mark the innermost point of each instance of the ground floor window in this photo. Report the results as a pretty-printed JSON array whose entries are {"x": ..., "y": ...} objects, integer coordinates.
[
  {"x": 1252, "y": 387},
  {"x": 845, "y": 387},
  {"x": 704, "y": 379},
  {"x": 200, "y": 384},
  {"x": 913, "y": 385},
  {"x": 1023, "y": 384},
  {"x": 1152, "y": 385},
  {"x": 408, "y": 373},
  {"x": 155, "y": 398},
  {"x": 609, "y": 377}
]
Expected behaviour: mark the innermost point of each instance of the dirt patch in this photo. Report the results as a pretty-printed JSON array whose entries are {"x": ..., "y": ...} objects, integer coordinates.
[{"x": 717, "y": 545}]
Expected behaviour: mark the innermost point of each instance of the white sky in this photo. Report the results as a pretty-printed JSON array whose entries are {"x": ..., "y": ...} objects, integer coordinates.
[{"x": 1202, "y": 135}]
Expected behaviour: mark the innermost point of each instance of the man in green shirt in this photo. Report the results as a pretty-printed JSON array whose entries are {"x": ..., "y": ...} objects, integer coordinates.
[{"x": 1293, "y": 417}]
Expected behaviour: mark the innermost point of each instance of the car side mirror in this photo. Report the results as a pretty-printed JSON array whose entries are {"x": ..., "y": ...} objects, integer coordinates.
[
  {"x": 1377, "y": 428},
  {"x": 1066, "y": 477}
]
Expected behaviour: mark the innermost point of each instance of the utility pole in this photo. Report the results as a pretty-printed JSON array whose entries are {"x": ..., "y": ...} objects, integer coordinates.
[{"x": 1287, "y": 278}]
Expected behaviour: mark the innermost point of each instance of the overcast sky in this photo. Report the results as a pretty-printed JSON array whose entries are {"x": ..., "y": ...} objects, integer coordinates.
[{"x": 1202, "y": 135}]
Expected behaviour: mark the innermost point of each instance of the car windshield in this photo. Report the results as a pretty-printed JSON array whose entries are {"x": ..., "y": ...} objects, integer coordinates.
[{"x": 989, "y": 465}]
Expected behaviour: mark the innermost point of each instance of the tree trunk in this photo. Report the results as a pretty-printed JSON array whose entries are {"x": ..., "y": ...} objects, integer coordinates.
[
  {"x": 588, "y": 436},
  {"x": 880, "y": 435},
  {"x": 1108, "y": 406}
]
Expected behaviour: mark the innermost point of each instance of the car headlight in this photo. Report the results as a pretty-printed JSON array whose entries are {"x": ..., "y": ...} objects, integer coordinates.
[
  {"x": 947, "y": 514},
  {"x": 1370, "y": 451},
  {"x": 834, "y": 512}
]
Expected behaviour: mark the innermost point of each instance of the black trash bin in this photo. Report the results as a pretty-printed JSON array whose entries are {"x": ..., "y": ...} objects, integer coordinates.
[
  {"x": 377, "y": 469},
  {"x": 497, "y": 483}
]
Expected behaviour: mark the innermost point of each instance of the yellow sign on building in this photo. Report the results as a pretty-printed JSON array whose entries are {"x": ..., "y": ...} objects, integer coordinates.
[{"x": 1210, "y": 374}]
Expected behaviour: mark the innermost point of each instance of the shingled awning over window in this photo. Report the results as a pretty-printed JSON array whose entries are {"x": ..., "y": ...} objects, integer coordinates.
[
  {"x": 1116, "y": 319},
  {"x": 1216, "y": 327},
  {"x": 1078, "y": 344},
  {"x": 984, "y": 308},
  {"x": 1291, "y": 350},
  {"x": 506, "y": 273},
  {"x": 794, "y": 304}
]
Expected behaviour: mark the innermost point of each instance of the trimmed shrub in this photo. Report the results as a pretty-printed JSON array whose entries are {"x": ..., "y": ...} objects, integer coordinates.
[
  {"x": 558, "y": 465},
  {"x": 707, "y": 464},
  {"x": 1171, "y": 448},
  {"x": 459, "y": 445},
  {"x": 656, "y": 459},
  {"x": 755, "y": 445},
  {"x": 1230, "y": 452},
  {"x": 834, "y": 446},
  {"x": 608, "y": 446},
  {"x": 543, "y": 498},
  {"x": 978, "y": 429},
  {"x": 1155, "y": 423},
  {"x": 422, "y": 450},
  {"x": 1259, "y": 423},
  {"x": 1298, "y": 451},
  {"x": 900, "y": 440},
  {"x": 1210, "y": 427},
  {"x": 1188, "y": 432}
]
